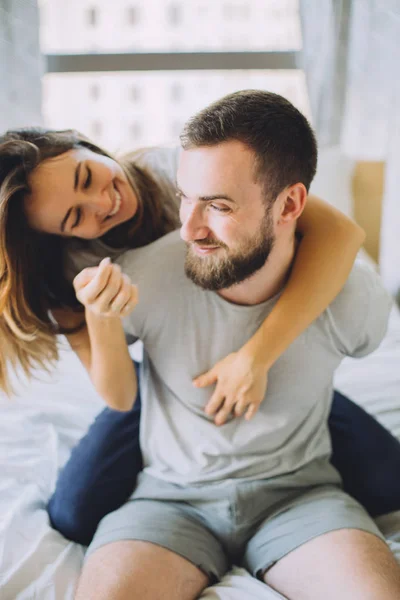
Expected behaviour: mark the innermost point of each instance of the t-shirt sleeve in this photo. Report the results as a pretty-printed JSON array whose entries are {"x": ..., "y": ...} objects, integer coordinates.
[
  {"x": 359, "y": 315},
  {"x": 134, "y": 264},
  {"x": 150, "y": 268}
]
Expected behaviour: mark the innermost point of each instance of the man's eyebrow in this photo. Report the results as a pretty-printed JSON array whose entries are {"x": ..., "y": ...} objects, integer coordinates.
[
  {"x": 65, "y": 219},
  {"x": 209, "y": 198},
  {"x": 217, "y": 197}
]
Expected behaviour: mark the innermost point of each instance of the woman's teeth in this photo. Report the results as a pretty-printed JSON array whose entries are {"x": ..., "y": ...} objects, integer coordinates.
[{"x": 117, "y": 204}]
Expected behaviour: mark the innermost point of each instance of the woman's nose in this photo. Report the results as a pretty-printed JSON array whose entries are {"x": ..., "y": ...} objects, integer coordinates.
[{"x": 101, "y": 203}]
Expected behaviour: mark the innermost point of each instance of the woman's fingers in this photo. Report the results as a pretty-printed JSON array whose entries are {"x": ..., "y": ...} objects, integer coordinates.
[
  {"x": 84, "y": 277},
  {"x": 90, "y": 292},
  {"x": 224, "y": 413},
  {"x": 132, "y": 302},
  {"x": 105, "y": 290},
  {"x": 215, "y": 402},
  {"x": 114, "y": 284},
  {"x": 123, "y": 296},
  {"x": 251, "y": 411},
  {"x": 241, "y": 405}
]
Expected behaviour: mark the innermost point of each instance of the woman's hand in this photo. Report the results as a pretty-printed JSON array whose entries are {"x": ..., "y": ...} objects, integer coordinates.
[
  {"x": 241, "y": 384},
  {"x": 105, "y": 290}
]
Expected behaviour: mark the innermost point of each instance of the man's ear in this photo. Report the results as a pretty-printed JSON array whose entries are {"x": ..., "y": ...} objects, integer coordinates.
[{"x": 293, "y": 200}]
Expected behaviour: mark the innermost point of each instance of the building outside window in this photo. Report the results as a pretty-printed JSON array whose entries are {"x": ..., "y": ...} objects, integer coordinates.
[
  {"x": 133, "y": 15},
  {"x": 94, "y": 91},
  {"x": 135, "y": 93},
  {"x": 159, "y": 99},
  {"x": 96, "y": 129},
  {"x": 174, "y": 14},
  {"x": 92, "y": 16}
]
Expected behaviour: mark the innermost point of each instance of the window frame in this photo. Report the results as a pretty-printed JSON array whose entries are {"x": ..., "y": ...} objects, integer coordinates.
[{"x": 171, "y": 61}]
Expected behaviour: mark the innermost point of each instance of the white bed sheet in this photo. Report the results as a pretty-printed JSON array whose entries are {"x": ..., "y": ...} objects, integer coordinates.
[{"x": 38, "y": 430}]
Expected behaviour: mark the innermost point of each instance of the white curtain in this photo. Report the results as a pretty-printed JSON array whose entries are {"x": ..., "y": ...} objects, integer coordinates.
[
  {"x": 21, "y": 65},
  {"x": 352, "y": 63},
  {"x": 325, "y": 25}
]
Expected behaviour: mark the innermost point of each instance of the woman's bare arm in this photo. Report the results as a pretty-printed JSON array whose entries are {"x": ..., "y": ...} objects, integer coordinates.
[
  {"x": 101, "y": 346},
  {"x": 326, "y": 253},
  {"x": 325, "y": 256}
]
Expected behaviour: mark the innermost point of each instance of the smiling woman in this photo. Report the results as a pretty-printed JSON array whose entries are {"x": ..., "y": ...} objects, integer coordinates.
[
  {"x": 58, "y": 189},
  {"x": 92, "y": 190}
]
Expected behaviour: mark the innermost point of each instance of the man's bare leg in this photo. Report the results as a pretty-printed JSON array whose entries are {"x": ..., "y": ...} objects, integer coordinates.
[
  {"x": 130, "y": 570},
  {"x": 348, "y": 564}
]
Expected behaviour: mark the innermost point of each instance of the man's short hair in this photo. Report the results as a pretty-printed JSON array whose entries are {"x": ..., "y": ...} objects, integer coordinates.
[{"x": 280, "y": 136}]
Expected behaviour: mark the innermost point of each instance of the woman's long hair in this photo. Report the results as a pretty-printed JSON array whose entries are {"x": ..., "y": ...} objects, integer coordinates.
[{"x": 32, "y": 280}]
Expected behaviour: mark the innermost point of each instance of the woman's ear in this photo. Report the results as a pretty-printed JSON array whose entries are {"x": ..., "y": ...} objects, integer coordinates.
[{"x": 292, "y": 203}]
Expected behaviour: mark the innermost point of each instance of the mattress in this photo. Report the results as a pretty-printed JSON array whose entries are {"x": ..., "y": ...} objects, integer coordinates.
[{"x": 39, "y": 428}]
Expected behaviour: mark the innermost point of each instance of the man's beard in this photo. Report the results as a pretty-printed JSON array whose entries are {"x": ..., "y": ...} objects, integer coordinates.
[{"x": 220, "y": 272}]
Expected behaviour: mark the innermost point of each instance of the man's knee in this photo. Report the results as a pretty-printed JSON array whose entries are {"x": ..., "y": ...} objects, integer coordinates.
[{"x": 134, "y": 569}]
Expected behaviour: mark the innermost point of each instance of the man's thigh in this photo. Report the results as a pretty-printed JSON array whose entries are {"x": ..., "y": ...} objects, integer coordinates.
[
  {"x": 173, "y": 526},
  {"x": 133, "y": 569},
  {"x": 299, "y": 549},
  {"x": 348, "y": 564}
]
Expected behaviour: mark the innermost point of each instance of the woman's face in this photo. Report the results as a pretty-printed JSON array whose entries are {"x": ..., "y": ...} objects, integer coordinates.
[{"x": 79, "y": 193}]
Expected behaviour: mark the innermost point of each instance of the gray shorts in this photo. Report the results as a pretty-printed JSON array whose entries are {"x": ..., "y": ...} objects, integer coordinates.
[{"x": 248, "y": 523}]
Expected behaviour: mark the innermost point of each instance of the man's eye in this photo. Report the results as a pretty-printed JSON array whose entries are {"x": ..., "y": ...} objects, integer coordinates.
[
  {"x": 88, "y": 179},
  {"x": 220, "y": 208}
]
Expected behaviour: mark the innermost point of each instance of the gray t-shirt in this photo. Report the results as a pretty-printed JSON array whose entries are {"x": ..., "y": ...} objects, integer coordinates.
[{"x": 186, "y": 330}]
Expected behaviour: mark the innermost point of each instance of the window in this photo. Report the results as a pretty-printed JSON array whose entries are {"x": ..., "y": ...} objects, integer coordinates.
[
  {"x": 236, "y": 11},
  {"x": 92, "y": 17},
  {"x": 228, "y": 10},
  {"x": 158, "y": 114},
  {"x": 135, "y": 132},
  {"x": 135, "y": 93},
  {"x": 96, "y": 129},
  {"x": 176, "y": 129},
  {"x": 174, "y": 14},
  {"x": 185, "y": 55},
  {"x": 94, "y": 91},
  {"x": 246, "y": 11},
  {"x": 170, "y": 25},
  {"x": 132, "y": 15},
  {"x": 176, "y": 92}
]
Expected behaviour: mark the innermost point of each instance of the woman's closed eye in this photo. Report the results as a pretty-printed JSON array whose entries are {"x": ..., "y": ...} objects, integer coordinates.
[
  {"x": 88, "y": 180},
  {"x": 86, "y": 185},
  {"x": 78, "y": 216}
]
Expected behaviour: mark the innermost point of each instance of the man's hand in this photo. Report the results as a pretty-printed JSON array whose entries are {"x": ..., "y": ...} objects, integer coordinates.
[
  {"x": 105, "y": 290},
  {"x": 241, "y": 384}
]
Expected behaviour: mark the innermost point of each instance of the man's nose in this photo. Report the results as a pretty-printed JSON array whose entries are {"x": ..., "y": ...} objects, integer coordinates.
[{"x": 194, "y": 224}]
